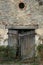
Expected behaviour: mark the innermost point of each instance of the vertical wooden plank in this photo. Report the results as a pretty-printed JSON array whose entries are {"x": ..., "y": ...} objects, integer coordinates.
[
  {"x": 27, "y": 45},
  {"x": 12, "y": 38}
]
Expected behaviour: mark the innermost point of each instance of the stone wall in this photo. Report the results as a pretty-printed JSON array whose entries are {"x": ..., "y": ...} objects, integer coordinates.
[{"x": 10, "y": 13}]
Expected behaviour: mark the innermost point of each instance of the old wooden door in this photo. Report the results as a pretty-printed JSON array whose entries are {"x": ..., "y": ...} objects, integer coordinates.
[{"x": 27, "y": 44}]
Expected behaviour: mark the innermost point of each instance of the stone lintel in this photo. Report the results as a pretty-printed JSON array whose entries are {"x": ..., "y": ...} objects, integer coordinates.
[{"x": 22, "y": 27}]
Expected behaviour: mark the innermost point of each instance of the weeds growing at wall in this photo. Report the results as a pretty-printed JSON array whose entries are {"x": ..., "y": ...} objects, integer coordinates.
[{"x": 7, "y": 53}]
